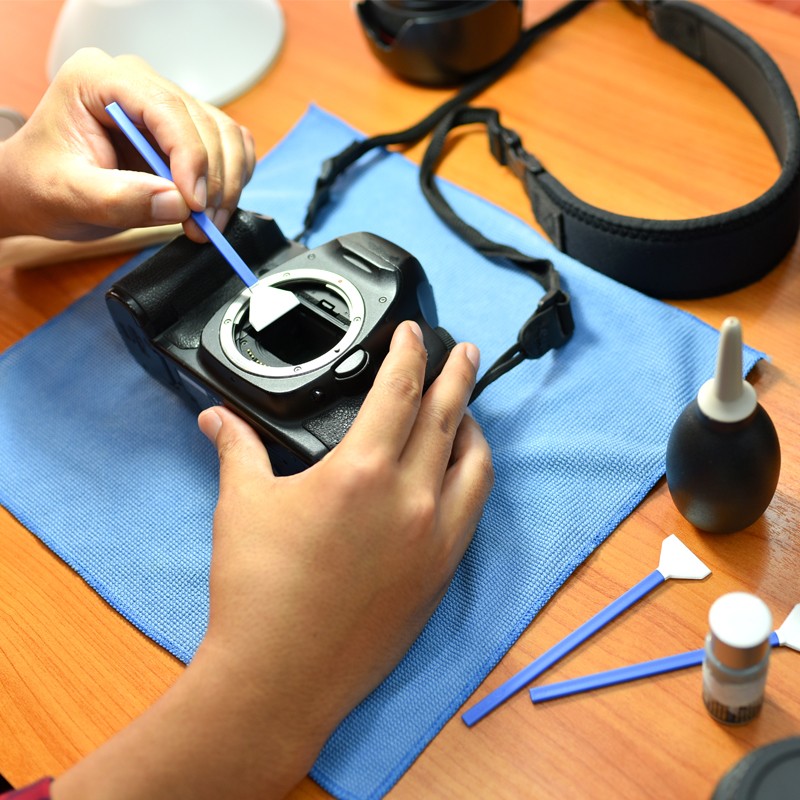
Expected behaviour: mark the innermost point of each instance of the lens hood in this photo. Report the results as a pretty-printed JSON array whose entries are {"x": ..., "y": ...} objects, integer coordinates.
[{"x": 439, "y": 43}]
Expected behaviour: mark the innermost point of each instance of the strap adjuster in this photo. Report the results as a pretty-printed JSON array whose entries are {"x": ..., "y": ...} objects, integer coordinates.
[
  {"x": 505, "y": 145},
  {"x": 549, "y": 327},
  {"x": 331, "y": 169}
]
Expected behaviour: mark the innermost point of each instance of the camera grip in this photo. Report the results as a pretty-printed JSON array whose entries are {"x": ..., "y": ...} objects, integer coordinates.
[
  {"x": 331, "y": 426},
  {"x": 184, "y": 280}
]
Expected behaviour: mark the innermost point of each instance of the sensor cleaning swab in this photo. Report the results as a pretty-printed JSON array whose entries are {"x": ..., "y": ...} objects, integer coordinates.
[
  {"x": 267, "y": 303},
  {"x": 788, "y": 635},
  {"x": 676, "y": 561}
]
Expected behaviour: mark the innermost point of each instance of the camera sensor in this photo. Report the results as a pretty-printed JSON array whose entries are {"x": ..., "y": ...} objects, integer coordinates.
[
  {"x": 305, "y": 333},
  {"x": 318, "y": 331}
]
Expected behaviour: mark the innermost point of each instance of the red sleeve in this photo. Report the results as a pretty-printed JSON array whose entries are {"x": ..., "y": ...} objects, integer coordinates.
[{"x": 36, "y": 791}]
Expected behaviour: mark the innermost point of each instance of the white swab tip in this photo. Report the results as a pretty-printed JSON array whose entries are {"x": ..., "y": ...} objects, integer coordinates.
[
  {"x": 678, "y": 561},
  {"x": 268, "y": 304},
  {"x": 789, "y": 632}
]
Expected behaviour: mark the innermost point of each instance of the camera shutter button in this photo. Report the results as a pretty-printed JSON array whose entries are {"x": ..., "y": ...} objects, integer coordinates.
[{"x": 350, "y": 366}]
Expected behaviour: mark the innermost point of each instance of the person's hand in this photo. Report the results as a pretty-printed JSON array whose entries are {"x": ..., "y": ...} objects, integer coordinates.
[
  {"x": 323, "y": 580},
  {"x": 70, "y": 174},
  {"x": 319, "y": 584},
  {"x": 353, "y": 554}
]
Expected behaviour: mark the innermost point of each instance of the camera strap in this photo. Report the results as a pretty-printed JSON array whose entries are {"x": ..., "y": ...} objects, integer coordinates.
[
  {"x": 689, "y": 258},
  {"x": 551, "y": 325}
]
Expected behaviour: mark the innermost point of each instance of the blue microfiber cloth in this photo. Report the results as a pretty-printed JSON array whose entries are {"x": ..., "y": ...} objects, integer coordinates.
[{"x": 108, "y": 468}]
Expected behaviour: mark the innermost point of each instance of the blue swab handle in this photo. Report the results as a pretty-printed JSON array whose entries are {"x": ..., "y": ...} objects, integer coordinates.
[
  {"x": 148, "y": 152},
  {"x": 612, "y": 677},
  {"x": 558, "y": 651}
]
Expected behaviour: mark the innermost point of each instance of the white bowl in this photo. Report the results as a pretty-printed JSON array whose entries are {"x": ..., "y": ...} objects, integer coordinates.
[{"x": 214, "y": 49}]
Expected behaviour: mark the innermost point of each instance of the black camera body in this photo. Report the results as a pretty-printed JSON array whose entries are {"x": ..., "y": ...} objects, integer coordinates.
[{"x": 299, "y": 382}]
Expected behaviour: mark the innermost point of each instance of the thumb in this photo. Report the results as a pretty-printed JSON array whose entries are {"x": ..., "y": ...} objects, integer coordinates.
[
  {"x": 242, "y": 455},
  {"x": 114, "y": 198}
]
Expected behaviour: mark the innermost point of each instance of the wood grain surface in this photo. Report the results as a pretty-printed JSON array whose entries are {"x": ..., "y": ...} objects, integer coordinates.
[{"x": 626, "y": 123}]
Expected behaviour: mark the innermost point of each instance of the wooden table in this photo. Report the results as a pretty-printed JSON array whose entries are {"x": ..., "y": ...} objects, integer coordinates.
[{"x": 628, "y": 124}]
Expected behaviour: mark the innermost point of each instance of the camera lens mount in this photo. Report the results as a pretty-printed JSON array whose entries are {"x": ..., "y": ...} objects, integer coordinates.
[{"x": 309, "y": 326}]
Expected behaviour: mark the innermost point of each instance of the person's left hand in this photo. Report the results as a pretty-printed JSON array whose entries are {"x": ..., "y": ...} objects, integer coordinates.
[{"x": 70, "y": 174}]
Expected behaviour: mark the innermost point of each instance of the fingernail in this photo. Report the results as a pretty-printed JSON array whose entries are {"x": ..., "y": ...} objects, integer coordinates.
[
  {"x": 402, "y": 330},
  {"x": 168, "y": 206},
  {"x": 473, "y": 354},
  {"x": 201, "y": 192},
  {"x": 210, "y": 423},
  {"x": 415, "y": 329}
]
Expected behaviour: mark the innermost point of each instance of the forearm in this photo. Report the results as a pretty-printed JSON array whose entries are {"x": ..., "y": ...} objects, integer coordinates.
[{"x": 215, "y": 734}]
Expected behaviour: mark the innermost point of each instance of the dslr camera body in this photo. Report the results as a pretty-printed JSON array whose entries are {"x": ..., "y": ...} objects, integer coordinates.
[{"x": 299, "y": 382}]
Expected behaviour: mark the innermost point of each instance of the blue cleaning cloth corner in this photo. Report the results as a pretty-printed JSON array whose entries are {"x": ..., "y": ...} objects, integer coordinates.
[{"x": 108, "y": 468}]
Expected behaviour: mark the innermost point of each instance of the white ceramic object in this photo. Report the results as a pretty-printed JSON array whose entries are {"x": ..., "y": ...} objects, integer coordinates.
[{"x": 214, "y": 49}]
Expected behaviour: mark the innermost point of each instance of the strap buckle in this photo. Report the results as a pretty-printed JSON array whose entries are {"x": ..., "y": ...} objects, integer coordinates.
[
  {"x": 331, "y": 169},
  {"x": 505, "y": 145},
  {"x": 549, "y": 327}
]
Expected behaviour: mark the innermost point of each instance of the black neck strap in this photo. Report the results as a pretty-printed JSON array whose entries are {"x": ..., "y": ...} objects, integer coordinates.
[
  {"x": 551, "y": 324},
  {"x": 333, "y": 167}
]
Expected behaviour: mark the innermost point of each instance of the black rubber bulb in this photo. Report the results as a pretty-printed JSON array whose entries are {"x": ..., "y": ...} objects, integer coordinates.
[{"x": 723, "y": 454}]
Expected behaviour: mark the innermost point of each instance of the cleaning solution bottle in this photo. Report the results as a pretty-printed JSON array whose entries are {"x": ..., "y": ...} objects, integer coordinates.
[
  {"x": 736, "y": 657},
  {"x": 723, "y": 455}
]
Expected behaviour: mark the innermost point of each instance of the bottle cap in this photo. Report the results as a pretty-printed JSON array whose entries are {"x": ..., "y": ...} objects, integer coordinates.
[{"x": 740, "y": 625}]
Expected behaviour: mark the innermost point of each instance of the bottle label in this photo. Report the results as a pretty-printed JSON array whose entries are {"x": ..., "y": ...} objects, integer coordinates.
[{"x": 733, "y": 702}]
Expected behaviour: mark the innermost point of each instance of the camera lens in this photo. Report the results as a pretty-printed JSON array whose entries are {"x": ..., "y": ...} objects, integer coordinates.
[{"x": 308, "y": 331}]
